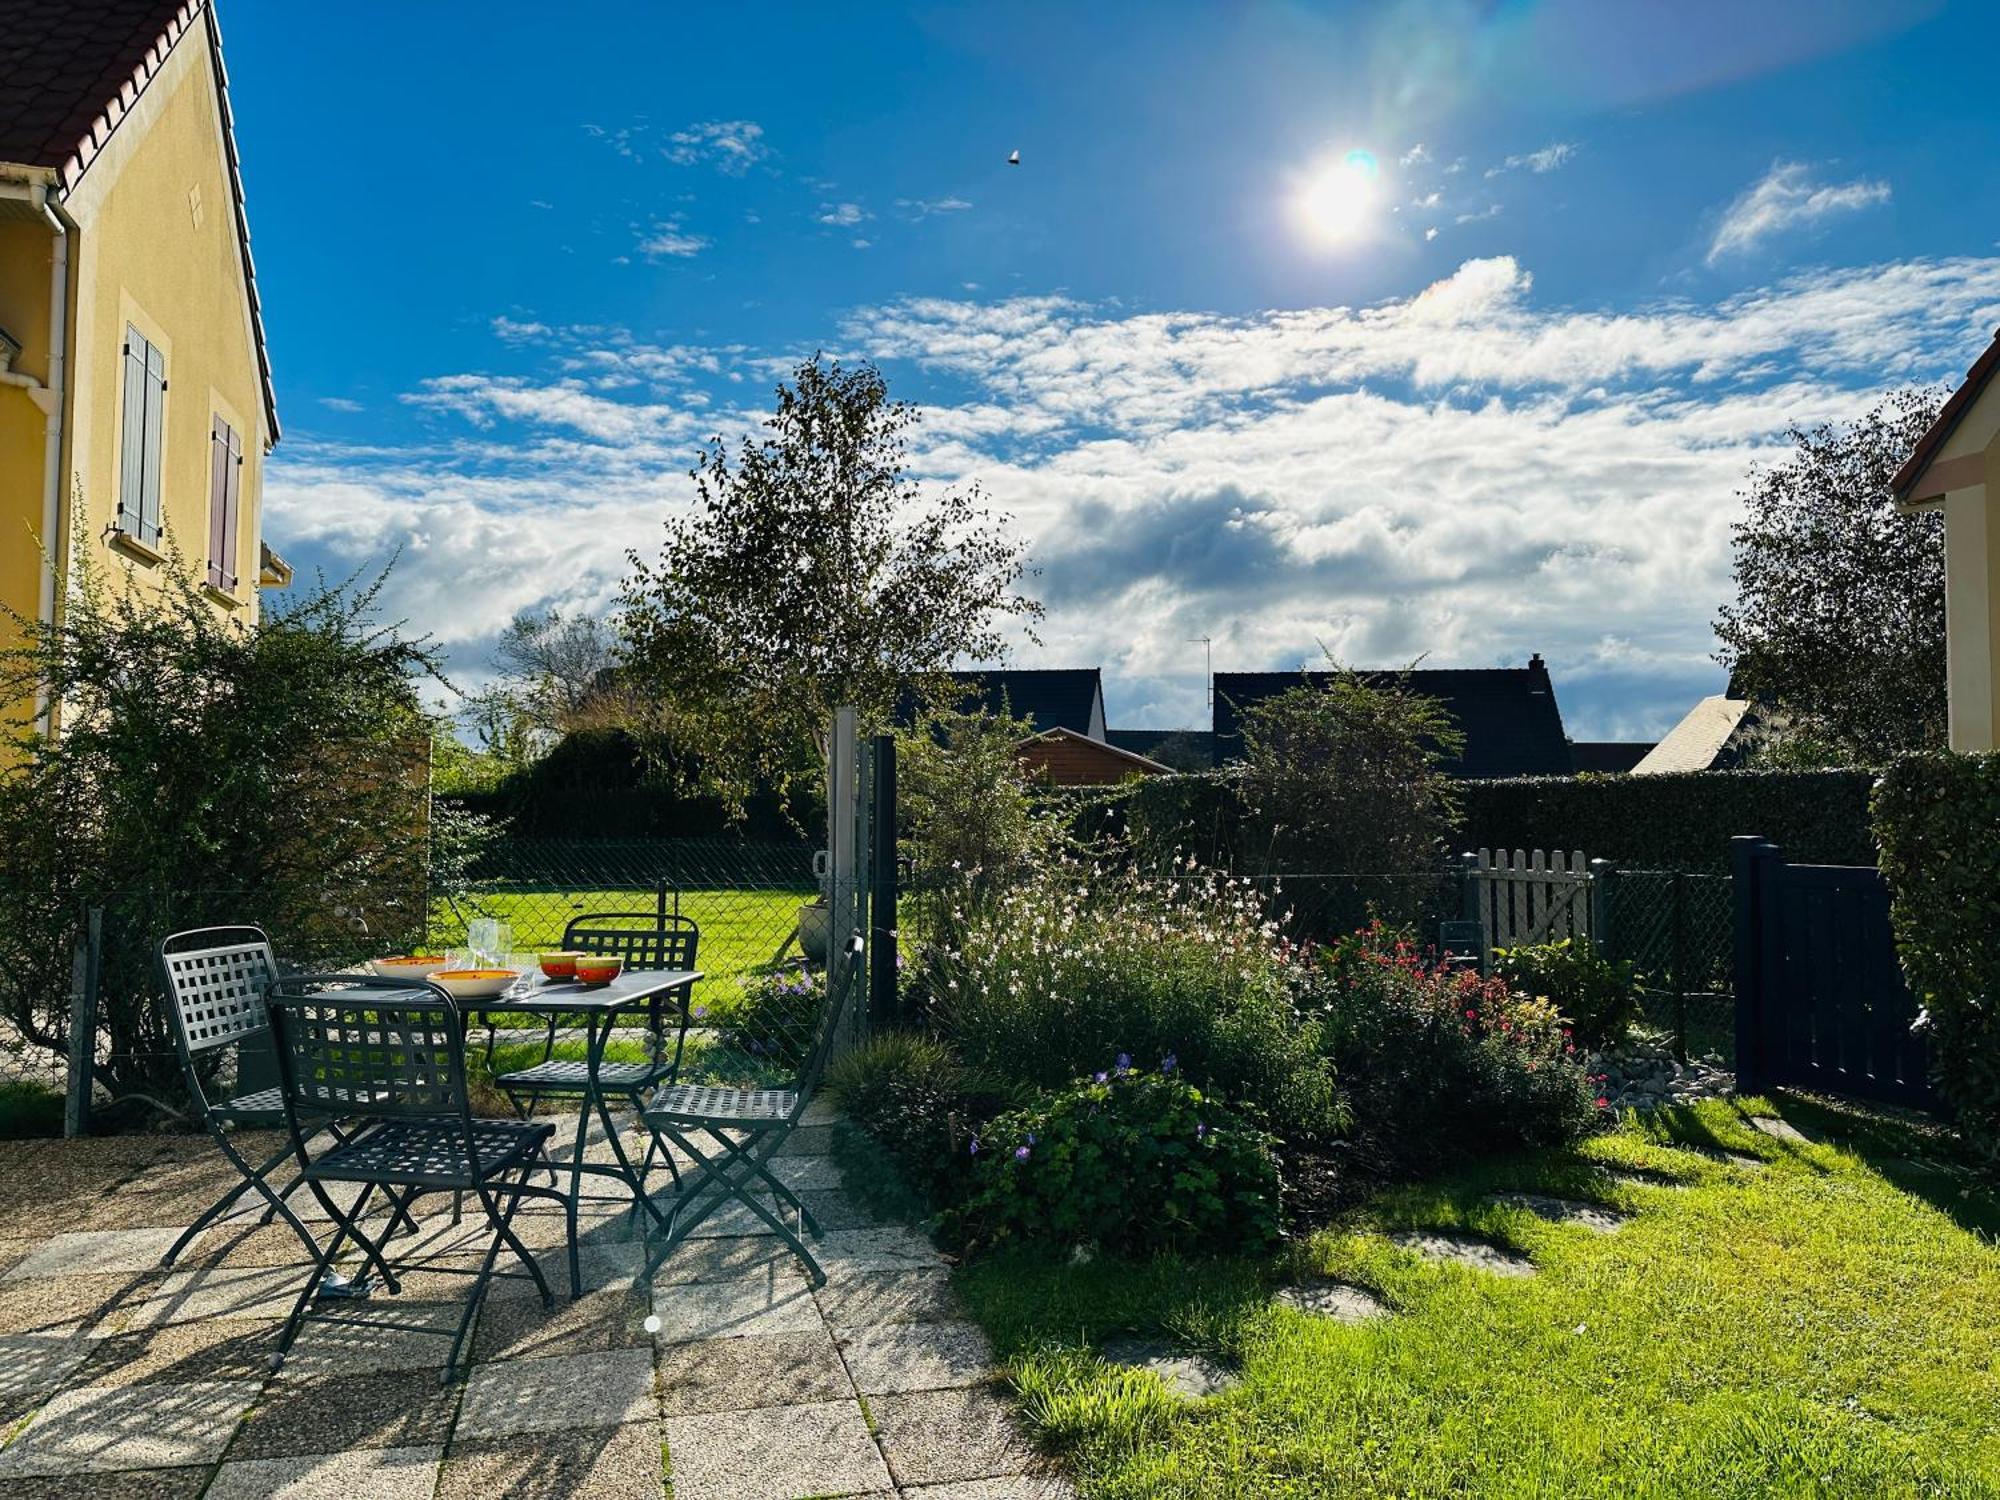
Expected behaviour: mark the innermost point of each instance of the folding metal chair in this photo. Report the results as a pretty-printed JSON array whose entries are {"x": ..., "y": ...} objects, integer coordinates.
[
  {"x": 216, "y": 981},
  {"x": 393, "y": 1057},
  {"x": 744, "y": 1128},
  {"x": 645, "y": 940}
]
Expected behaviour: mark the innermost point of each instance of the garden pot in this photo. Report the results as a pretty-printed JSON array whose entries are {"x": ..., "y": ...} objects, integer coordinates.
[{"x": 815, "y": 921}]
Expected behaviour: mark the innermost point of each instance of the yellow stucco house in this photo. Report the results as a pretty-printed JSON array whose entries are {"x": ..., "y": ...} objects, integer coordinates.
[
  {"x": 136, "y": 407},
  {"x": 1956, "y": 469}
]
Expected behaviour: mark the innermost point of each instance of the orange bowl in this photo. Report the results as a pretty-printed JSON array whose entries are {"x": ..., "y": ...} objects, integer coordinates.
[
  {"x": 560, "y": 965},
  {"x": 595, "y": 970},
  {"x": 412, "y": 966},
  {"x": 475, "y": 984}
]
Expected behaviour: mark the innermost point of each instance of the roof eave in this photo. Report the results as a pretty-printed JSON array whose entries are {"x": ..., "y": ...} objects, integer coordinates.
[{"x": 1908, "y": 489}]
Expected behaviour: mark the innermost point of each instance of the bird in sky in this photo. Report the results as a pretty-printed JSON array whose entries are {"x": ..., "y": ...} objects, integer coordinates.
[{"x": 1014, "y": 158}]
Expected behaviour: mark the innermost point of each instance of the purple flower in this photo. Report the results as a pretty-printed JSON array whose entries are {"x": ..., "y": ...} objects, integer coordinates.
[
  {"x": 973, "y": 1149},
  {"x": 1200, "y": 1130},
  {"x": 1169, "y": 1063},
  {"x": 1031, "y": 1138},
  {"x": 1124, "y": 1063},
  {"x": 1101, "y": 1077},
  {"x": 1020, "y": 1153}
]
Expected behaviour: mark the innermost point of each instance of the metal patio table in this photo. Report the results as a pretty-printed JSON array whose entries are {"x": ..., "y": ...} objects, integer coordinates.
[{"x": 600, "y": 1008}]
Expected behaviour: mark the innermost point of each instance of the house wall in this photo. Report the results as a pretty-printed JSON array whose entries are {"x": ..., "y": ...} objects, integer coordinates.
[
  {"x": 1972, "y": 610},
  {"x": 156, "y": 248},
  {"x": 24, "y": 313},
  {"x": 1069, "y": 762}
]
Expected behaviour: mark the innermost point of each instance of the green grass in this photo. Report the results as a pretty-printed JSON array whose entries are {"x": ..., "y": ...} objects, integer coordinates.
[
  {"x": 28, "y": 1110},
  {"x": 1829, "y": 1326}
]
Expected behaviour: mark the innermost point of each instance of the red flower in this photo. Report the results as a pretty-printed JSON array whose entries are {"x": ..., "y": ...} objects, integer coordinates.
[{"x": 1602, "y": 1102}]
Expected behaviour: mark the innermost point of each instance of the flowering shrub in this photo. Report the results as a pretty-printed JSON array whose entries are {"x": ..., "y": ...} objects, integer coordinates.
[
  {"x": 1599, "y": 996},
  {"x": 1125, "y": 1162},
  {"x": 1076, "y": 964},
  {"x": 778, "y": 1017},
  {"x": 1442, "y": 1064},
  {"x": 921, "y": 1104}
]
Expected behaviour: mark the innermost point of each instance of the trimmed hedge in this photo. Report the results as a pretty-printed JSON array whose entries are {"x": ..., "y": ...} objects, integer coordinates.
[
  {"x": 1682, "y": 820},
  {"x": 1938, "y": 815}
]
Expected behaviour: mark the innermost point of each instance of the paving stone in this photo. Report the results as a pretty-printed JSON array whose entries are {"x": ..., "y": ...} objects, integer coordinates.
[
  {"x": 148, "y": 1484},
  {"x": 1744, "y": 1163},
  {"x": 332, "y": 1413},
  {"x": 180, "y": 1353},
  {"x": 892, "y": 1248},
  {"x": 418, "y": 1337},
  {"x": 376, "y": 1474},
  {"x": 622, "y": 1463},
  {"x": 1592, "y": 1216},
  {"x": 1779, "y": 1130},
  {"x": 95, "y": 1252},
  {"x": 869, "y": 1299},
  {"x": 1334, "y": 1299},
  {"x": 103, "y": 1428},
  {"x": 42, "y": 1306},
  {"x": 13, "y": 1252},
  {"x": 820, "y": 1112},
  {"x": 200, "y": 1293},
  {"x": 33, "y": 1365},
  {"x": 728, "y": 1259},
  {"x": 755, "y": 1370},
  {"x": 1014, "y": 1487},
  {"x": 774, "y": 1453},
  {"x": 834, "y": 1208},
  {"x": 942, "y": 1437},
  {"x": 605, "y": 1389},
  {"x": 770, "y": 1302},
  {"x": 518, "y": 1328},
  {"x": 808, "y": 1140},
  {"x": 801, "y": 1172},
  {"x": 1463, "y": 1250},
  {"x": 916, "y": 1357},
  {"x": 1183, "y": 1372}
]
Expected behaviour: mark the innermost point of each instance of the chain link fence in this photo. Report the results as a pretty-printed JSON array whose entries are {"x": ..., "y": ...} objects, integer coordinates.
[{"x": 1677, "y": 929}]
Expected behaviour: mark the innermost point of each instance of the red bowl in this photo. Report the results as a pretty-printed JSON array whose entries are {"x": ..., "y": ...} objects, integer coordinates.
[{"x": 595, "y": 972}]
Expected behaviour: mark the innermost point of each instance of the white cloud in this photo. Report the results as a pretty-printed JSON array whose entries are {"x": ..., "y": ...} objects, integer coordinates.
[
  {"x": 842, "y": 214},
  {"x": 1551, "y": 156},
  {"x": 923, "y": 208},
  {"x": 1414, "y": 156},
  {"x": 340, "y": 403},
  {"x": 1491, "y": 211},
  {"x": 509, "y": 329},
  {"x": 668, "y": 238},
  {"x": 1431, "y": 233},
  {"x": 730, "y": 146},
  {"x": 1785, "y": 197},
  {"x": 1464, "y": 471}
]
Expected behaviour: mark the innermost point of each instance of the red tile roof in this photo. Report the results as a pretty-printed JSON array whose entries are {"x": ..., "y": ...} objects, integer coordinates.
[
  {"x": 64, "y": 61},
  {"x": 69, "y": 71},
  {"x": 1934, "y": 438}
]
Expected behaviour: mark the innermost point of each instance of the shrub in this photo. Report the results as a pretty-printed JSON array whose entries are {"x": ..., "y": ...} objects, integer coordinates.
[
  {"x": 1442, "y": 1065},
  {"x": 778, "y": 1018},
  {"x": 1075, "y": 965},
  {"x": 1127, "y": 1162},
  {"x": 924, "y": 1106},
  {"x": 1598, "y": 996},
  {"x": 1938, "y": 816}
]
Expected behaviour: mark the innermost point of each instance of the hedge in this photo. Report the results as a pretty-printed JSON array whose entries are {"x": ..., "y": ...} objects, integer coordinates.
[
  {"x": 1938, "y": 816},
  {"x": 1677, "y": 821}
]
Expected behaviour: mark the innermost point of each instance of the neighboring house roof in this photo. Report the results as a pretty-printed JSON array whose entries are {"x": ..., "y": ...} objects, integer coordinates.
[
  {"x": 1072, "y": 759},
  {"x": 1904, "y": 485},
  {"x": 1608, "y": 757},
  {"x": 1710, "y": 738},
  {"x": 1508, "y": 715},
  {"x": 1151, "y": 742},
  {"x": 1060, "y": 698},
  {"x": 74, "y": 68}
]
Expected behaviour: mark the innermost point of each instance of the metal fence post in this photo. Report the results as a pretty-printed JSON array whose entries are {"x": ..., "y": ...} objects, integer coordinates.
[
  {"x": 86, "y": 973},
  {"x": 1677, "y": 945},
  {"x": 1601, "y": 873},
  {"x": 1747, "y": 856},
  {"x": 883, "y": 997}
]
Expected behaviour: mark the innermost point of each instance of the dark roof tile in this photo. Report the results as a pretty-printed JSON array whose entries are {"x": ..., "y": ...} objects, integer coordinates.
[{"x": 69, "y": 58}]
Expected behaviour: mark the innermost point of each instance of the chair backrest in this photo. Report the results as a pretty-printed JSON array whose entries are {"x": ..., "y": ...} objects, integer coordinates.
[
  {"x": 216, "y": 979},
  {"x": 381, "y": 1048},
  {"x": 832, "y": 1014},
  {"x": 644, "y": 939}
]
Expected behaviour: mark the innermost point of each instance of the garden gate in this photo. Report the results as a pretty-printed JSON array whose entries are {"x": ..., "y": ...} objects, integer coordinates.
[
  {"x": 1820, "y": 997},
  {"x": 1529, "y": 897}
]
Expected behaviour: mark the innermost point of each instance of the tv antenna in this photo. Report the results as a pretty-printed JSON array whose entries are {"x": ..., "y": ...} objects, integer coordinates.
[{"x": 1208, "y": 670}]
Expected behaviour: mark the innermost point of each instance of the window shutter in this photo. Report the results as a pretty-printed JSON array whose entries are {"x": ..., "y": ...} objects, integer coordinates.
[
  {"x": 218, "y": 505},
  {"x": 149, "y": 491},
  {"x": 232, "y": 488},
  {"x": 132, "y": 465}
]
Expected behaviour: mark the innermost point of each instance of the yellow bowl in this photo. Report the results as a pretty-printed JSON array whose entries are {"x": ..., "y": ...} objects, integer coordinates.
[
  {"x": 475, "y": 984},
  {"x": 414, "y": 966}
]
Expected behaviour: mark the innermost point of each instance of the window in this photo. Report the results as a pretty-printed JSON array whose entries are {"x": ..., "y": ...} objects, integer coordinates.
[
  {"x": 225, "y": 487},
  {"x": 145, "y": 403}
]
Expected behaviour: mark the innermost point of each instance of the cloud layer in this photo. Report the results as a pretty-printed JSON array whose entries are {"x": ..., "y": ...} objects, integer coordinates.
[{"x": 1786, "y": 198}]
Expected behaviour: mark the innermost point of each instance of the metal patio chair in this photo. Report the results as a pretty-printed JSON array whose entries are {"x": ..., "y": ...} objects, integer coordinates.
[
  {"x": 392, "y": 1056},
  {"x": 645, "y": 940},
  {"x": 745, "y": 1128},
  {"x": 216, "y": 981}
]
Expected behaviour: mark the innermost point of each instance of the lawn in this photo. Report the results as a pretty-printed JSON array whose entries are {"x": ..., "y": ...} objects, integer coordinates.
[{"x": 1825, "y": 1324}]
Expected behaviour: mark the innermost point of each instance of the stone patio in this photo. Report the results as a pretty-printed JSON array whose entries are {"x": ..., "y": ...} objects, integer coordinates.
[{"x": 729, "y": 1378}]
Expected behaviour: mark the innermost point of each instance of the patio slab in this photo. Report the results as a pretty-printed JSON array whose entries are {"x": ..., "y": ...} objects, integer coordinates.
[
  {"x": 178, "y": 1354},
  {"x": 377, "y": 1474},
  {"x": 205, "y": 1292},
  {"x": 916, "y": 1357},
  {"x": 130, "y": 1427},
  {"x": 335, "y": 1413},
  {"x": 518, "y": 1328},
  {"x": 44, "y": 1305},
  {"x": 32, "y": 1366},
  {"x": 941, "y": 1437},
  {"x": 621, "y": 1463},
  {"x": 728, "y": 1259},
  {"x": 889, "y": 1248},
  {"x": 146, "y": 1484},
  {"x": 774, "y": 1453},
  {"x": 770, "y": 1302},
  {"x": 869, "y": 1299},
  {"x": 605, "y": 1389},
  {"x": 1463, "y": 1250},
  {"x": 756, "y": 1370},
  {"x": 1015, "y": 1487},
  {"x": 95, "y": 1252}
]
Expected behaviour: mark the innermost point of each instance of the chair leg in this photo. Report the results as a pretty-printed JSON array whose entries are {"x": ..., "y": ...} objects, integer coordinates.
[
  {"x": 687, "y": 1216},
  {"x": 253, "y": 1180}
]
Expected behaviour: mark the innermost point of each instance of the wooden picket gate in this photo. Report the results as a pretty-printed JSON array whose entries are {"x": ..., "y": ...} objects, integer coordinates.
[{"x": 1529, "y": 897}]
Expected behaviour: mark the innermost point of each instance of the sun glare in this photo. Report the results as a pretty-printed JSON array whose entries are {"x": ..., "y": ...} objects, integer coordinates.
[{"x": 1336, "y": 198}]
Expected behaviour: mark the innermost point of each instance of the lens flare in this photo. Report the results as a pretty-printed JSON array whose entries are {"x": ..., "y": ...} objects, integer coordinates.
[{"x": 1335, "y": 200}]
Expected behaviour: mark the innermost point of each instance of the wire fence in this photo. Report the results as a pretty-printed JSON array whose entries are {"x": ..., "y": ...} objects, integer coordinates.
[{"x": 1678, "y": 930}]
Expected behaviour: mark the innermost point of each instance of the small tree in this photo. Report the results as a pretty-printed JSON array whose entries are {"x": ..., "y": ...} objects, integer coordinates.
[
  {"x": 207, "y": 770},
  {"x": 1839, "y": 615},
  {"x": 557, "y": 673},
  {"x": 812, "y": 572},
  {"x": 1348, "y": 774}
]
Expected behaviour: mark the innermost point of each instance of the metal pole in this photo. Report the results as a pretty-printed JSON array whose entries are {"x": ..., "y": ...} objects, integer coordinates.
[
  {"x": 883, "y": 997},
  {"x": 87, "y": 973},
  {"x": 1677, "y": 893}
]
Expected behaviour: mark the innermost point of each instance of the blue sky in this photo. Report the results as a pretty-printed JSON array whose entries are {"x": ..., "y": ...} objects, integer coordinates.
[{"x": 1596, "y": 258}]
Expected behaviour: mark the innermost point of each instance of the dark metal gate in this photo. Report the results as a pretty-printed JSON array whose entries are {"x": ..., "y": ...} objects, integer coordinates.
[{"x": 1820, "y": 998}]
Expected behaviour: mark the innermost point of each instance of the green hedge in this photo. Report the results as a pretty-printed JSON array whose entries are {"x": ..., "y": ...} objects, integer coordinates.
[
  {"x": 1678, "y": 821},
  {"x": 1938, "y": 816}
]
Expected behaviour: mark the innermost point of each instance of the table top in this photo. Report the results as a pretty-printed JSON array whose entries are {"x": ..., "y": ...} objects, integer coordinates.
[{"x": 557, "y": 997}]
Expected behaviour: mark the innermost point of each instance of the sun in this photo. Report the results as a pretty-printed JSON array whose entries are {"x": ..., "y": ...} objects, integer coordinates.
[{"x": 1335, "y": 200}]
